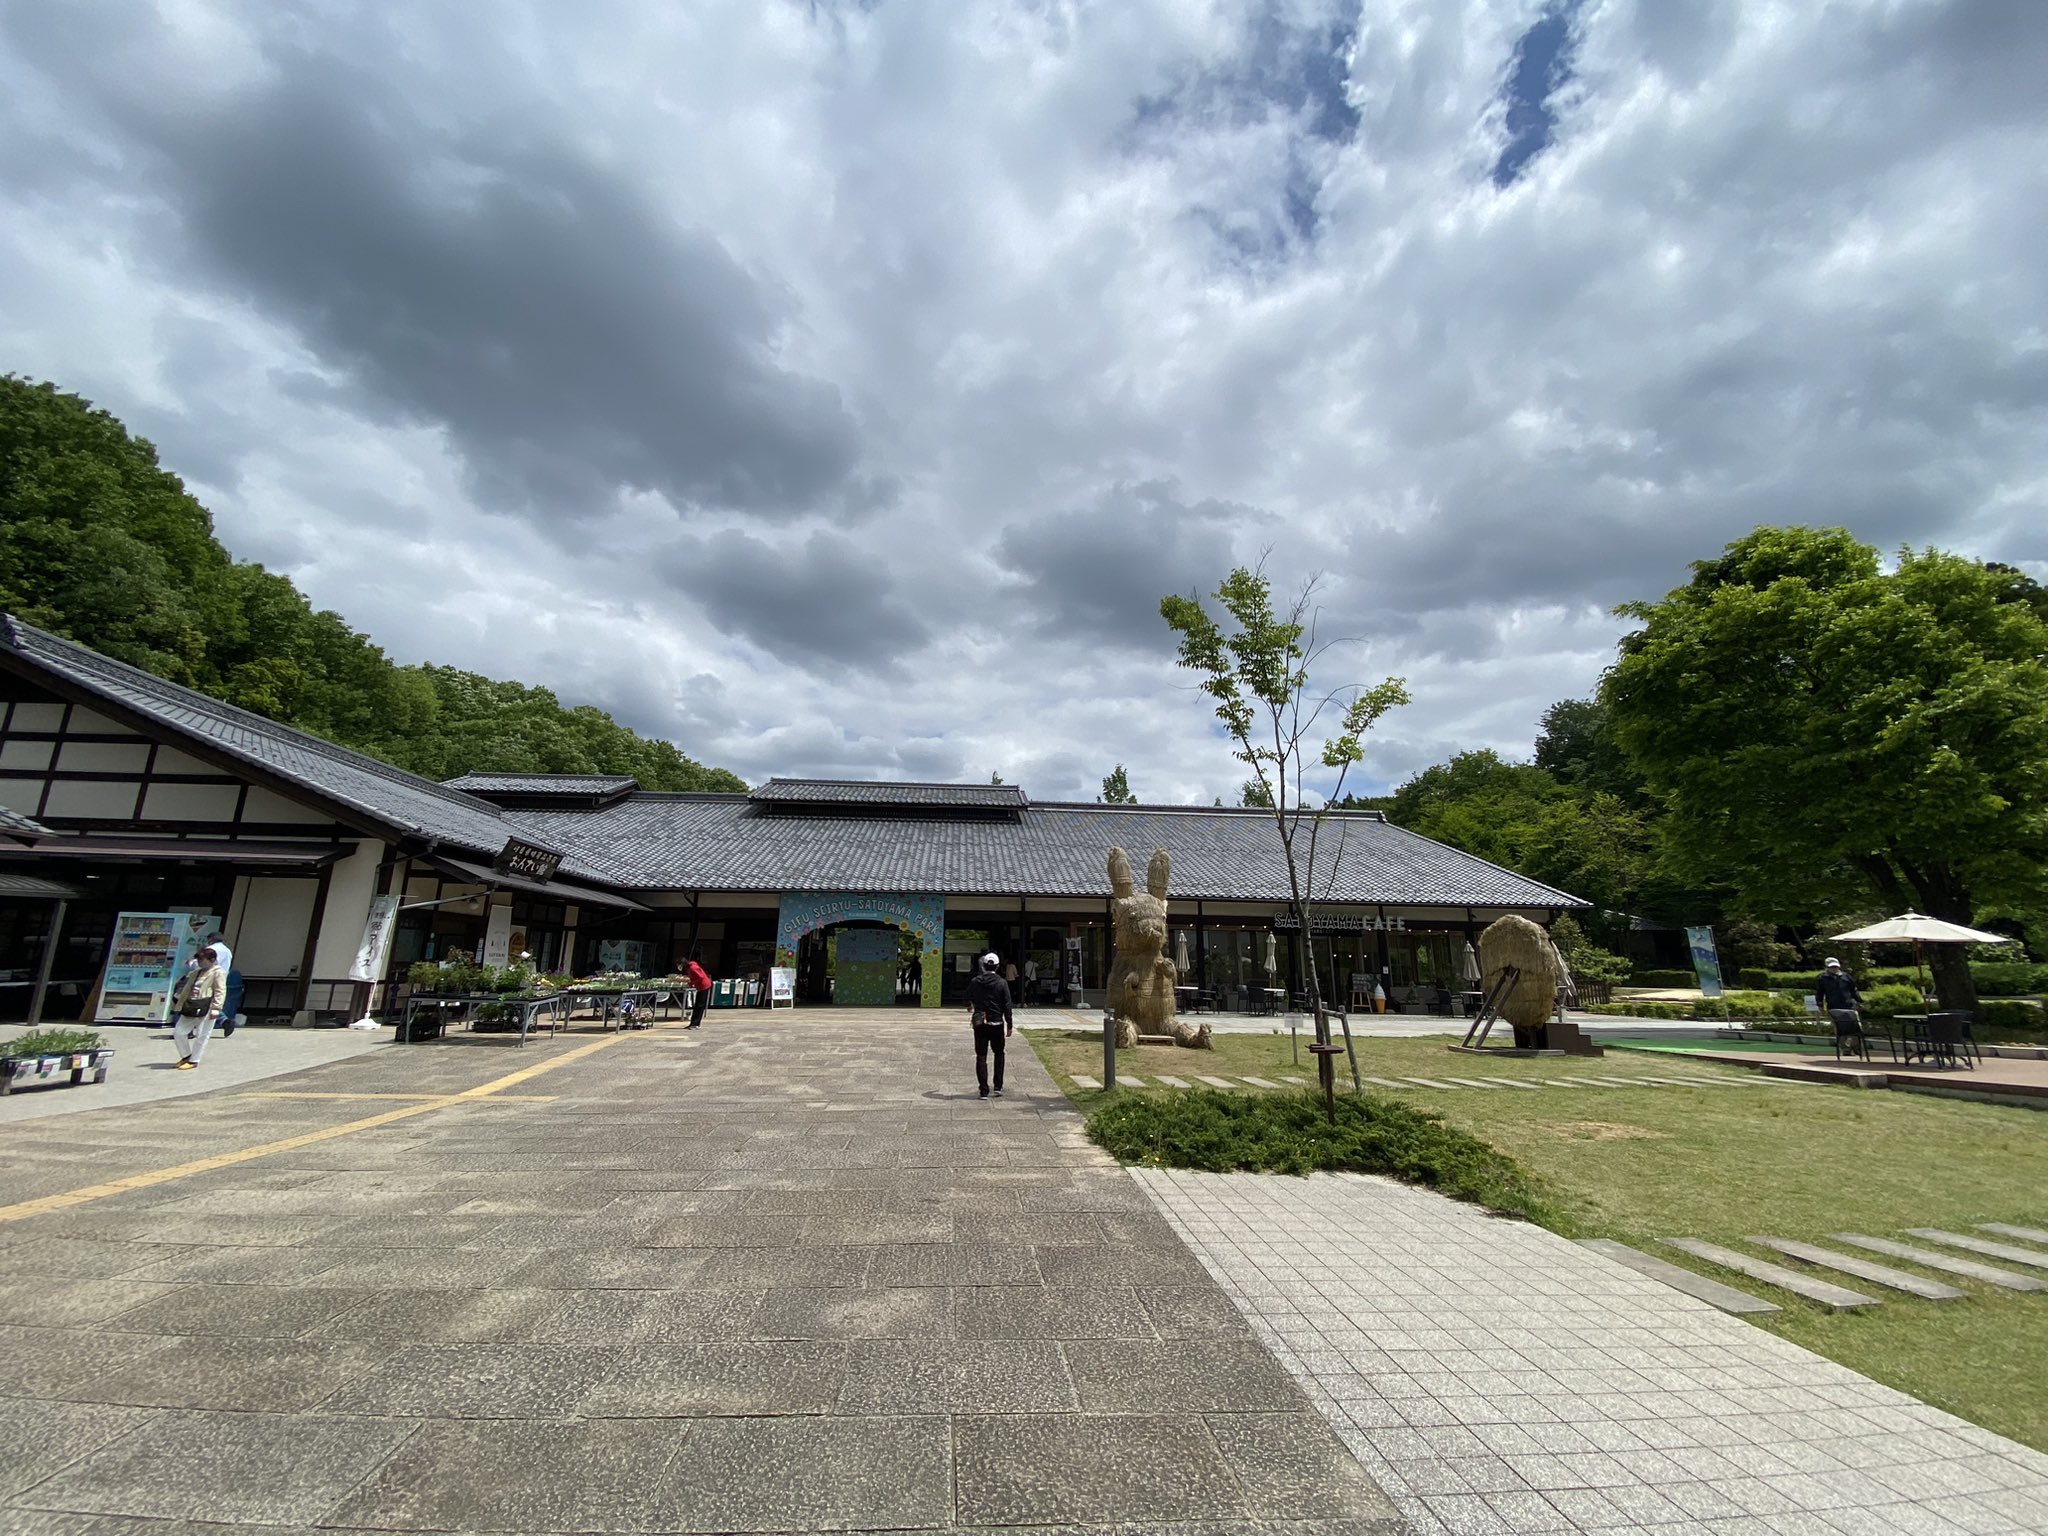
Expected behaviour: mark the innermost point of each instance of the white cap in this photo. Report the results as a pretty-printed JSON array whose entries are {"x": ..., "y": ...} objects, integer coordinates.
[
  {"x": 1834, "y": 962},
  {"x": 989, "y": 960}
]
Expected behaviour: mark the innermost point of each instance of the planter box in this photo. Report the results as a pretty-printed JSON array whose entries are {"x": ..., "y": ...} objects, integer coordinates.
[{"x": 64, "y": 1069}]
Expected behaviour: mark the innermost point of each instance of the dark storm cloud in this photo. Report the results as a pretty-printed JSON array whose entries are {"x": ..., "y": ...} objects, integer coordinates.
[
  {"x": 570, "y": 338},
  {"x": 1098, "y": 572},
  {"x": 827, "y": 603}
]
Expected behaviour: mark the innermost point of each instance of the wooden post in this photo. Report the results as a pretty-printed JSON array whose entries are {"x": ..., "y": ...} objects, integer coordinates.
[{"x": 43, "y": 966}]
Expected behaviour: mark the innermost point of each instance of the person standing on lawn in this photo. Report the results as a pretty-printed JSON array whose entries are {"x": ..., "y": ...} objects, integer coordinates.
[
  {"x": 198, "y": 1004},
  {"x": 988, "y": 996},
  {"x": 1836, "y": 991},
  {"x": 700, "y": 984}
]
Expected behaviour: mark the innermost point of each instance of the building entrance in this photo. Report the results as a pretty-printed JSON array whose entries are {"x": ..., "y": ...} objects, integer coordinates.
[{"x": 858, "y": 949}]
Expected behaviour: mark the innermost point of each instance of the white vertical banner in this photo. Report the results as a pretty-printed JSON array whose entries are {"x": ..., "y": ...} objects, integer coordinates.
[
  {"x": 498, "y": 934},
  {"x": 370, "y": 954}
]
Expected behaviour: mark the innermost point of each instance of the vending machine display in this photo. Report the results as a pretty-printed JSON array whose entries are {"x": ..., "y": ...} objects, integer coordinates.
[{"x": 145, "y": 963}]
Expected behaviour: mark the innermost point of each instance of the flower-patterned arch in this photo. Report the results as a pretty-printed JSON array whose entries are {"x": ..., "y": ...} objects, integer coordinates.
[{"x": 924, "y": 916}]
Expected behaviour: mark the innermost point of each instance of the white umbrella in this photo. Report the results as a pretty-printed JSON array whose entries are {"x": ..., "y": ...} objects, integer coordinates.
[
  {"x": 1272, "y": 955},
  {"x": 1180, "y": 951},
  {"x": 1912, "y": 928},
  {"x": 1468, "y": 964}
]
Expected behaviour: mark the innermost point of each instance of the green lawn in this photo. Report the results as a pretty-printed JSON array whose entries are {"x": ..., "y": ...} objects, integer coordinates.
[{"x": 1637, "y": 1164}]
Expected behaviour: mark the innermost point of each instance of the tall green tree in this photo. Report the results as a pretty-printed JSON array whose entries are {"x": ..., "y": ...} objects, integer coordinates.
[
  {"x": 1813, "y": 721},
  {"x": 1116, "y": 788},
  {"x": 100, "y": 543}
]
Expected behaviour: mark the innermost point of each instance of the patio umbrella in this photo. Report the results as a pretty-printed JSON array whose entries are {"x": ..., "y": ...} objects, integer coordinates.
[
  {"x": 1911, "y": 927},
  {"x": 1468, "y": 964},
  {"x": 1272, "y": 955},
  {"x": 1180, "y": 951}
]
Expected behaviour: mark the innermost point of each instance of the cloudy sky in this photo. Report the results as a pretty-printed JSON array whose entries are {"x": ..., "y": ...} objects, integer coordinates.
[{"x": 837, "y": 387}]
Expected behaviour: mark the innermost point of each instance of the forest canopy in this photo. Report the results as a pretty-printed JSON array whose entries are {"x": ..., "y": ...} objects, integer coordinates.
[{"x": 101, "y": 544}]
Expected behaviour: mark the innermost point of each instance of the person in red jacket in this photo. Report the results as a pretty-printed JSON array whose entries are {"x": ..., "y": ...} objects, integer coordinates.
[{"x": 701, "y": 980}]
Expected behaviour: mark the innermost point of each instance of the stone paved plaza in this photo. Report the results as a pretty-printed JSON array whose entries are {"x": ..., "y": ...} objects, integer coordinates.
[
  {"x": 789, "y": 1273},
  {"x": 1494, "y": 1377},
  {"x": 777, "y": 1274}
]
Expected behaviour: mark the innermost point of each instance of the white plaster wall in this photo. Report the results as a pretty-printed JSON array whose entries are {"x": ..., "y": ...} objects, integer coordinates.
[
  {"x": 26, "y": 754},
  {"x": 21, "y": 794},
  {"x": 38, "y": 717},
  {"x": 88, "y": 798},
  {"x": 171, "y": 760},
  {"x": 190, "y": 802},
  {"x": 267, "y": 805},
  {"x": 267, "y": 929},
  {"x": 87, "y": 722},
  {"x": 104, "y": 757},
  {"x": 353, "y": 882}
]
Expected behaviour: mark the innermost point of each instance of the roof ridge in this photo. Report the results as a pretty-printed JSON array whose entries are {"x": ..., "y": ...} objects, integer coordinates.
[{"x": 85, "y": 659}]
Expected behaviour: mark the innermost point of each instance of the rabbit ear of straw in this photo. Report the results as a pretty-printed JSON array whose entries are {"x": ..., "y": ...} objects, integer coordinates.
[
  {"x": 1158, "y": 872},
  {"x": 1119, "y": 873}
]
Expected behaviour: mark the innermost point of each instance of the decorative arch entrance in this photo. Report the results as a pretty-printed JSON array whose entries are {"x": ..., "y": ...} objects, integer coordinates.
[{"x": 924, "y": 917}]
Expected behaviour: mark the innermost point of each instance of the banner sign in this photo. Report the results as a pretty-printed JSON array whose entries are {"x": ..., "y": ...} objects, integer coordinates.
[
  {"x": 1705, "y": 961},
  {"x": 526, "y": 861},
  {"x": 497, "y": 948},
  {"x": 1325, "y": 923},
  {"x": 781, "y": 986},
  {"x": 369, "y": 961}
]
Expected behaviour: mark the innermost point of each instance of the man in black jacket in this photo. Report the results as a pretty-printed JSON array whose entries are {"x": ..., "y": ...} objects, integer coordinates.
[
  {"x": 1836, "y": 991},
  {"x": 988, "y": 995}
]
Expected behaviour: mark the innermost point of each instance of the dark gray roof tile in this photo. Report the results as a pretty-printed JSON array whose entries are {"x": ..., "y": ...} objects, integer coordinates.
[{"x": 866, "y": 792}]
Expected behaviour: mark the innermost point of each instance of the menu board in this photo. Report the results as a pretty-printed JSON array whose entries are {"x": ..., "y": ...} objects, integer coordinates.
[{"x": 145, "y": 963}]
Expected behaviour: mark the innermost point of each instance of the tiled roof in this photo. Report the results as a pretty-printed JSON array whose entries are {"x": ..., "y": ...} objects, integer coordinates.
[
  {"x": 385, "y": 795},
  {"x": 14, "y": 824},
  {"x": 865, "y": 792},
  {"x": 568, "y": 784},
  {"x": 722, "y": 843}
]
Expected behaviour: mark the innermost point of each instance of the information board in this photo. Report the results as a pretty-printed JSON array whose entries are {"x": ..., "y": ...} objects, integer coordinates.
[{"x": 782, "y": 986}]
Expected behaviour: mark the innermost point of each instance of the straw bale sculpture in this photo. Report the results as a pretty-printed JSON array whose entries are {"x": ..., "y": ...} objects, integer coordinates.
[
  {"x": 1532, "y": 1007},
  {"x": 1141, "y": 978}
]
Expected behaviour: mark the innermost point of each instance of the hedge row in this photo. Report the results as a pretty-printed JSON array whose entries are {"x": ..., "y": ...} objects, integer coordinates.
[
  {"x": 1993, "y": 1017},
  {"x": 1993, "y": 978}
]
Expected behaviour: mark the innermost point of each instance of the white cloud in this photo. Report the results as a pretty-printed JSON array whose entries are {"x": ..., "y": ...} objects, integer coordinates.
[{"x": 940, "y": 334}]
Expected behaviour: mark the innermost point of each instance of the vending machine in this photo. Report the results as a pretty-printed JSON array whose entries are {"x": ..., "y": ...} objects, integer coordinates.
[{"x": 145, "y": 963}]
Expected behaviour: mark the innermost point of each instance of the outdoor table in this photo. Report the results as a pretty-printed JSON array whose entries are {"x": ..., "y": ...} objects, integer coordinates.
[
  {"x": 527, "y": 1010},
  {"x": 414, "y": 1027},
  {"x": 1272, "y": 999}
]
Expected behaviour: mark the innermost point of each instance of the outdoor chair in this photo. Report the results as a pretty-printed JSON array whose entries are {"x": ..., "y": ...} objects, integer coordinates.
[
  {"x": 1851, "y": 1033},
  {"x": 1946, "y": 1039},
  {"x": 1878, "y": 1027}
]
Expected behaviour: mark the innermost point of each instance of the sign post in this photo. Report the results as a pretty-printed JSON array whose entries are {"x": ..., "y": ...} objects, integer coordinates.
[{"x": 1706, "y": 962}]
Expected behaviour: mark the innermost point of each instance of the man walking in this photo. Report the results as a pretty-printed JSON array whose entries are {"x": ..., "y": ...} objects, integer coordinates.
[
  {"x": 700, "y": 987},
  {"x": 1836, "y": 991},
  {"x": 988, "y": 996}
]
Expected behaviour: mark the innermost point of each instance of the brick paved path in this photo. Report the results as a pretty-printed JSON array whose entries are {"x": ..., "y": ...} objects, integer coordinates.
[
  {"x": 777, "y": 1274},
  {"x": 1495, "y": 1377}
]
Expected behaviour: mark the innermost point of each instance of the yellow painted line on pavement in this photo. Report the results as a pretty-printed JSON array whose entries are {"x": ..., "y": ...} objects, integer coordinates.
[
  {"x": 437, "y": 1098},
  {"x": 91, "y": 1192}
]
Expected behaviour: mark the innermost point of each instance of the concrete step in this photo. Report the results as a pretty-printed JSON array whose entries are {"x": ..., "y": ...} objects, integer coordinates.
[
  {"x": 1085, "y": 1082},
  {"x": 1712, "y": 1292},
  {"x": 1864, "y": 1269},
  {"x": 1262, "y": 1082},
  {"x": 1509, "y": 1082},
  {"x": 2033, "y": 1257},
  {"x": 1215, "y": 1082},
  {"x": 1426, "y": 1082},
  {"x": 1468, "y": 1082},
  {"x": 1124, "y": 1081},
  {"x": 1835, "y": 1298},
  {"x": 1386, "y": 1082},
  {"x": 1947, "y": 1263},
  {"x": 1172, "y": 1082},
  {"x": 2024, "y": 1234}
]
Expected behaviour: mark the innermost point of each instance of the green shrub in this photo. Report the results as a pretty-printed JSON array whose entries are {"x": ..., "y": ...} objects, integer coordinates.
[
  {"x": 1640, "y": 1010},
  {"x": 1997, "y": 1014},
  {"x": 52, "y": 1042},
  {"x": 1886, "y": 1001},
  {"x": 1663, "y": 979},
  {"x": 2009, "y": 978},
  {"x": 1288, "y": 1133}
]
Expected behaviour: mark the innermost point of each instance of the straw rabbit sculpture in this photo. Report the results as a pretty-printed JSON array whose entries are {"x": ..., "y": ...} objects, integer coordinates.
[{"x": 1141, "y": 978}]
